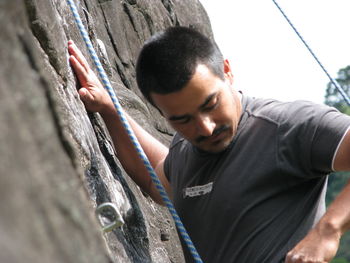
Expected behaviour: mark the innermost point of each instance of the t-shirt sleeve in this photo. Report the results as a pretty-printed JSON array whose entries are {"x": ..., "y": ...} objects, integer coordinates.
[
  {"x": 310, "y": 135},
  {"x": 329, "y": 134},
  {"x": 168, "y": 160}
]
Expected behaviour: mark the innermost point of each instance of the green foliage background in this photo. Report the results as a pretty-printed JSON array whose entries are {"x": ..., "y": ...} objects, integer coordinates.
[{"x": 338, "y": 180}]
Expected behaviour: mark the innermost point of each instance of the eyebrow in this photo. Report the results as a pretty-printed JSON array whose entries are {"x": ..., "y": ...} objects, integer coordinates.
[{"x": 202, "y": 106}]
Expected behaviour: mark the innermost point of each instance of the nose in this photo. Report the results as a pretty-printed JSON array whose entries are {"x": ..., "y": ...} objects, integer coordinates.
[{"x": 205, "y": 125}]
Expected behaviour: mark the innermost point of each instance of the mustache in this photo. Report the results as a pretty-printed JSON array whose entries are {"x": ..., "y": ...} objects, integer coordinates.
[{"x": 215, "y": 132}]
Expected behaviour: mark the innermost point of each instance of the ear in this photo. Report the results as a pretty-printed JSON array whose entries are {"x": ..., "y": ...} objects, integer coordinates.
[{"x": 227, "y": 71}]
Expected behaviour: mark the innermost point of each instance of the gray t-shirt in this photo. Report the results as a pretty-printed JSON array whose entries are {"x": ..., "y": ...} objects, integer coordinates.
[{"x": 257, "y": 199}]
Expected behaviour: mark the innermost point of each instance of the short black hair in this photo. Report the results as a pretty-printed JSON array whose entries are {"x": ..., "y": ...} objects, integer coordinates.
[{"x": 168, "y": 60}]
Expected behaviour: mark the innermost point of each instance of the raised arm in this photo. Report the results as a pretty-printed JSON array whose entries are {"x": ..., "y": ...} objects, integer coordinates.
[
  {"x": 322, "y": 242},
  {"x": 96, "y": 99}
]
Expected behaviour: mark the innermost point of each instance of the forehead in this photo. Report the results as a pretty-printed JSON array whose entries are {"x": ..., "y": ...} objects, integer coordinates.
[{"x": 202, "y": 85}]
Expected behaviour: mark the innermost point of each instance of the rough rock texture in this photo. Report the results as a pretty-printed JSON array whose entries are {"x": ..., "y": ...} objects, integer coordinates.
[{"x": 57, "y": 162}]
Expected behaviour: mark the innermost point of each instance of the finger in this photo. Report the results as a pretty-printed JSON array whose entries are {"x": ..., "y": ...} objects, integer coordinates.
[
  {"x": 75, "y": 51},
  {"x": 79, "y": 70},
  {"x": 85, "y": 95}
]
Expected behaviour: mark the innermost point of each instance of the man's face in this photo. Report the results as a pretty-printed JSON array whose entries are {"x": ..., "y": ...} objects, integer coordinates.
[{"x": 206, "y": 111}]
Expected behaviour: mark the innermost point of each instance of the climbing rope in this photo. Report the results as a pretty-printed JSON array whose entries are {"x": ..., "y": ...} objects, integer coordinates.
[
  {"x": 132, "y": 136},
  {"x": 333, "y": 81}
]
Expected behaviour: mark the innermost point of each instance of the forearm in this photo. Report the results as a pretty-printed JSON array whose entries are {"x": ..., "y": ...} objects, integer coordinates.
[
  {"x": 337, "y": 218},
  {"x": 126, "y": 153},
  {"x": 322, "y": 242}
]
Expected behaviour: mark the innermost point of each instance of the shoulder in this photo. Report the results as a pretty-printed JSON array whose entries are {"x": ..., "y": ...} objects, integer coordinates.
[
  {"x": 292, "y": 112},
  {"x": 178, "y": 143},
  {"x": 178, "y": 151}
]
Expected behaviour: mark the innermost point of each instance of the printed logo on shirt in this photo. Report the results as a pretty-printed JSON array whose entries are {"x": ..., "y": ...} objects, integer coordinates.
[{"x": 198, "y": 190}]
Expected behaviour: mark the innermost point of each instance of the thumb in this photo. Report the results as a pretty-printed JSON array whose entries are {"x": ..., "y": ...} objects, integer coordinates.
[{"x": 85, "y": 95}]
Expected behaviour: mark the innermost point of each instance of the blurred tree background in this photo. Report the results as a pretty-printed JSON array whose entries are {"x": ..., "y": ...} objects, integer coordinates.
[{"x": 338, "y": 180}]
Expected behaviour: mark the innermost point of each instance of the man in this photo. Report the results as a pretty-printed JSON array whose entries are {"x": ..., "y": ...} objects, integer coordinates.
[{"x": 247, "y": 176}]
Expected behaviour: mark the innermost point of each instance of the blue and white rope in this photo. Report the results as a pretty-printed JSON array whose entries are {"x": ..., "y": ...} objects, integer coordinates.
[
  {"x": 332, "y": 80},
  {"x": 132, "y": 136}
]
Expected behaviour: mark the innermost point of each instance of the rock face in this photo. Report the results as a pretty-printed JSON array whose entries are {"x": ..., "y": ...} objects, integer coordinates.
[{"x": 57, "y": 161}]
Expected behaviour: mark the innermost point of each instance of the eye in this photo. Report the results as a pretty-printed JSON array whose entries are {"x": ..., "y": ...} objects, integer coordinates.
[
  {"x": 212, "y": 105},
  {"x": 183, "y": 120}
]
